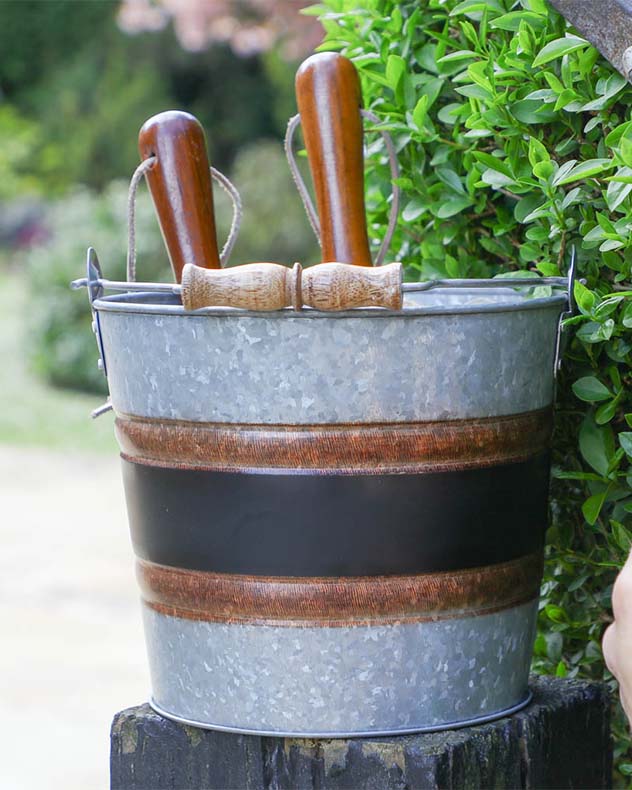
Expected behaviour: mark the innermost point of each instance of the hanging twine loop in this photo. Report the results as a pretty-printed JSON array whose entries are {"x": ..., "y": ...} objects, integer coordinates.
[
  {"x": 225, "y": 183},
  {"x": 312, "y": 216}
]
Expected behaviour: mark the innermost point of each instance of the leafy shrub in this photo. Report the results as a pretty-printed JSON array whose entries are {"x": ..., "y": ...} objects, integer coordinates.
[{"x": 515, "y": 142}]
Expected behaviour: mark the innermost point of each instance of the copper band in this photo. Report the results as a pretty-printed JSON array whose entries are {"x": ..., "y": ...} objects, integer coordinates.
[
  {"x": 339, "y": 601},
  {"x": 366, "y": 449}
]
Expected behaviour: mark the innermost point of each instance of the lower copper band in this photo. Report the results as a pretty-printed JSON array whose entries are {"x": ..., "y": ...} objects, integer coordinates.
[
  {"x": 368, "y": 448},
  {"x": 339, "y": 601}
]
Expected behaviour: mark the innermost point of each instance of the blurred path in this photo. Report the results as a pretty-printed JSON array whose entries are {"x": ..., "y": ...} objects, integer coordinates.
[{"x": 72, "y": 652}]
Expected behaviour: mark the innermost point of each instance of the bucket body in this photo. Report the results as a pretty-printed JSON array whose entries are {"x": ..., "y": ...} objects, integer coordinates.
[{"x": 338, "y": 519}]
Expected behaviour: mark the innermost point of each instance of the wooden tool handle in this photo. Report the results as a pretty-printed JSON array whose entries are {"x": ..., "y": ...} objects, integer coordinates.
[
  {"x": 329, "y": 100},
  {"x": 253, "y": 286},
  {"x": 339, "y": 286},
  {"x": 180, "y": 185},
  {"x": 270, "y": 286}
]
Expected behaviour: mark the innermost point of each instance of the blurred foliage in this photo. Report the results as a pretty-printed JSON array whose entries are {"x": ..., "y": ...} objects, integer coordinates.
[
  {"x": 62, "y": 345},
  {"x": 20, "y": 144},
  {"x": 274, "y": 226},
  {"x": 75, "y": 90},
  {"x": 515, "y": 142},
  {"x": 249, "y": 26}
]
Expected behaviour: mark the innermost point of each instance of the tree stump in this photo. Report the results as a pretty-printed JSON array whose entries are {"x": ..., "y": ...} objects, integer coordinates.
[{"x": 561, "y": 740}]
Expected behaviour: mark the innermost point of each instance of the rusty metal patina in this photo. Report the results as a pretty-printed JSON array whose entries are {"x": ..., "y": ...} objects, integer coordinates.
[{"x": 343, "y": 601}]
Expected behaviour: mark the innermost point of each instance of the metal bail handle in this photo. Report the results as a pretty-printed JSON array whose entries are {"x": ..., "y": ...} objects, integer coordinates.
[{"x": 570, "y": 286}]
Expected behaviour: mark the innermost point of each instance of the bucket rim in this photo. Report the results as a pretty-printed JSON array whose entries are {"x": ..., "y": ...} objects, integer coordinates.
[
  {"x": 378, "y": 732},
  {"x": 163, "y": 304}
]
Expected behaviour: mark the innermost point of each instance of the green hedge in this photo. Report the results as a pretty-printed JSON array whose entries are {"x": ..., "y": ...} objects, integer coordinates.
[{"x": 515, "y": 142}]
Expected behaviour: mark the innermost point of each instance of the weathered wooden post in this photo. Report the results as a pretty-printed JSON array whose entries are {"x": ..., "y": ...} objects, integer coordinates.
[{"x": 560, "y": 740}]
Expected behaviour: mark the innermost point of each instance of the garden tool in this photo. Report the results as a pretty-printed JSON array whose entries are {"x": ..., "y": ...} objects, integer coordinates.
[
  {"x": 329, "y": 100},
  {"x": 180, "y": 184}
]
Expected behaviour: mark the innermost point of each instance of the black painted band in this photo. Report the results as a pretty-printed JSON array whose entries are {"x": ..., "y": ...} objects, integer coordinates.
[{"x": 336, "y": 525}]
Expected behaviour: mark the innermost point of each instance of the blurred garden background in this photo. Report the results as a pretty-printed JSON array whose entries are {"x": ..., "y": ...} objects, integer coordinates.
[{"x": 515, "y": 144}]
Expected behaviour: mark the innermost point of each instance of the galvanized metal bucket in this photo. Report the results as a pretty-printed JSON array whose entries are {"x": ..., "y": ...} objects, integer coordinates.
[{"x": 338, "y": 518}]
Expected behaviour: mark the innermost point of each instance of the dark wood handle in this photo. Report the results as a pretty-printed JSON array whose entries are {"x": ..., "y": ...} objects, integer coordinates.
[
  {"x": 329, "y": 100},
  {"x": 180, "y": 185}
]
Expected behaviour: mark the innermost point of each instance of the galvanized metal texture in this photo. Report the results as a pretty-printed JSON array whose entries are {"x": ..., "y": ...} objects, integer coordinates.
[
  {"x": 448, "y": 355},
  {"x": 345, "y": 681},
  {"x": 605, "y": 23},
  {"x": 343, "y": 601}
]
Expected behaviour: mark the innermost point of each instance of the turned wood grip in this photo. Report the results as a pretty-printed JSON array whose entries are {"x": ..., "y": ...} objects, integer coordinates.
[
  {"x": 180, "y": 185},
  {"x": 339, "y": 286},
  {"x": 253, "y": 286},
  {"x": 329, "y": 100},
  {"x": 270, "y": 286}
]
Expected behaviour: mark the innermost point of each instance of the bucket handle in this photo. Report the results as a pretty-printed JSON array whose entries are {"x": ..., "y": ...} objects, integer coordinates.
[{"x": 312, "y": 216}]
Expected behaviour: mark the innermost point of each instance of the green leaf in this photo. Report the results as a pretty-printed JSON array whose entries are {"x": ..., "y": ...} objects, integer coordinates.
[
  {"x": 494, "y": 162},
  {"x": 591, "y": 167},
  {"x": 453, "y": 206},
  {"x": 625, "y": 150},
  {"x": 395, "y": 68},
  {"x": 621, "y": 536},
  {"x": 625, "y": 440},
  {"x": 560, "y": 670},
  {"x": 585, "y": 299},
  {"x": 543, "y": 170},
  {"x": 415, "y": 208},
  {"x": 559, "y": 47},
  {"x": 626, "y": 318},
  {"x": 596, "y": 445},
  {"x": 512, "y": 20},
  {"x": 526, "y": 205},
  {"x": 563, "y": 171},
  {"x": 420, "y": 112},
  {"x": 450, "y": 179},
  {"x": 533, "y": 112},
  {"x": 606, "y": 412},
  {"x": 478, "y": 75},
  {"x": 460, "y": 54},
  {"x": 537, "y": 152},
  {"x": 618, "y": 192},
  {"x": 591, "y": 390},
  {"x": 496, "y": 179},
  {"x": 555, "y": 613},
  {"x": 592, "y": 507}
]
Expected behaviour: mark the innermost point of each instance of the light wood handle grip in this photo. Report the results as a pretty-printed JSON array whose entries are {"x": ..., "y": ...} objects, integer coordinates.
[
  {"x": 253, "y": 286},
  {"x": 329, "y": 100},
  {"x": 339, "y": 286},
  {"x": 180, "y": 185},
  {"x": 270, "y": 286}
]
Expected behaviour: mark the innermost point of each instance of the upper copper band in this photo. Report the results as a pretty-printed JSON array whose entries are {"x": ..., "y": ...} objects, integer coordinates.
[
  {"x": 369, "y": 448},
  {"x": 339, "y": 601}
]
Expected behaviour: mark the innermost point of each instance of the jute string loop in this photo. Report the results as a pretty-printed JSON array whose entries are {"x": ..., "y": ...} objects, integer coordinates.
[
  {"x": 312, "y": 216},
  {"x": 225, "y": 183}
]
